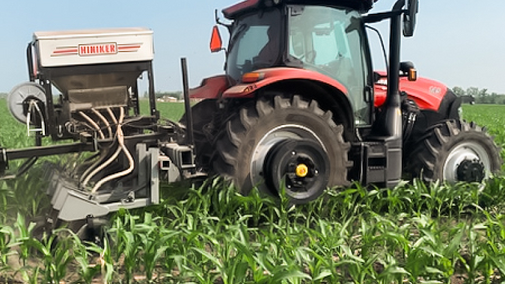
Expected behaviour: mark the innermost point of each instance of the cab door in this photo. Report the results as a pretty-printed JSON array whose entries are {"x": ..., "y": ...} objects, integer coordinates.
[{"x": 330, "y": 41}]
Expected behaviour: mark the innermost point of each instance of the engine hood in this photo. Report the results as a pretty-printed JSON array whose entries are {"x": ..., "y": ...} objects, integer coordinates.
[{"x": 427, "y": 93}]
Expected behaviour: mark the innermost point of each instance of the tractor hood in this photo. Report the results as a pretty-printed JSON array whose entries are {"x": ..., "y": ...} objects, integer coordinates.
[
  {"x": 246, "y": 6},
  {"x": 428, "y": 94}
]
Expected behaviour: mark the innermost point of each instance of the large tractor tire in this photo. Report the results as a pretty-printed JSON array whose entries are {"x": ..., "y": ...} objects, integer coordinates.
[
  {"x": 284, "y": 142},
  {"x": 455, "y": 151}
]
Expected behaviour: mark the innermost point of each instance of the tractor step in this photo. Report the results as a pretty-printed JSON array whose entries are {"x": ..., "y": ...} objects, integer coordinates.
[
  {"x": 380, "y": 161},
  {"x": 375, "y": 159}
]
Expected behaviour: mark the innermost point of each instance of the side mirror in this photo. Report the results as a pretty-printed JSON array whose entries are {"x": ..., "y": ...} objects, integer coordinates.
[
  {"x": 216, "y": 43},
  {"x": 407, "y": 69},
  {"x": 409, "y": 18}
]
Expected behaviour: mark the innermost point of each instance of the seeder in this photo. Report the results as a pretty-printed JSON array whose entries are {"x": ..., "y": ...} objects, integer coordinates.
[{"x": 96, "y": 73}]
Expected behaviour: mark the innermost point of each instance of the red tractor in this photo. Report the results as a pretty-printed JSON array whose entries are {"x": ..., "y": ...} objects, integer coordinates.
[{"x": 301, "y": 107}]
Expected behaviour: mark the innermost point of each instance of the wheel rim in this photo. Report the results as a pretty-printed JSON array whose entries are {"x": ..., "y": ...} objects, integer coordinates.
[
  {"x": 461, "y": 154},
  {"x": 301, "y": 166},
  {"x": 269, "y": 140}
]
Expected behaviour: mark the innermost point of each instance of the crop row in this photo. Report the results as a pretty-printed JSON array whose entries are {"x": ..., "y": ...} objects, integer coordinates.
[{"x": 413, "y": 233}]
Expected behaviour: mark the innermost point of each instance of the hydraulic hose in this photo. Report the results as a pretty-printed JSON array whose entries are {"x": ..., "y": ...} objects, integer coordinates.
[
  {"x": 104, "y": 121},
  {"x": 85, "y": 177},
  {"x": 131, "y": 162},
  {"x": 93, "y": 124}
]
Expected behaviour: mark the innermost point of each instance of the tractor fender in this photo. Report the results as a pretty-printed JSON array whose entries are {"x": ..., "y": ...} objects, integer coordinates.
[
  {"x": 327, "y": 92},
  {"x": 211, "y": 88},
  {"x": 269, "y": 76}
]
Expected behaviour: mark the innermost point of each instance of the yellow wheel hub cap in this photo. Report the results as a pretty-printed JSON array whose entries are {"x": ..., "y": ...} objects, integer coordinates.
[{"x": 302, "y": 170}]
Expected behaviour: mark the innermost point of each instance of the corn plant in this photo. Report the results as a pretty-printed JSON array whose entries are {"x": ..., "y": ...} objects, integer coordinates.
[
  {"x": 7, "y": 242},
  {"x": 106, "y": 262},
  {"x": 55, "y": 254},
  {"x": 83, "y": 253},
  {"x": 414, "y": 233},
  {"x": 23, "y": 237},
  {"x": 126, "y": 246}
]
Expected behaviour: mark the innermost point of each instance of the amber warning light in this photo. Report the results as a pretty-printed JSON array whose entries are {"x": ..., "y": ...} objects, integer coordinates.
[{"x": 252, "y": 77}]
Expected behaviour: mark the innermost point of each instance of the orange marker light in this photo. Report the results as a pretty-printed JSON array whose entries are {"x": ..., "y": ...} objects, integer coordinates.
[
  {"x": 412, "y": 76},
  {"x": 252, "y": 77}
]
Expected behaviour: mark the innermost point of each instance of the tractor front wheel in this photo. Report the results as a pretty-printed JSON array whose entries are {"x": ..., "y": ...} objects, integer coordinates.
[
  {"x": 284, "y": 142},
  {"x": 455, "y": 151}
]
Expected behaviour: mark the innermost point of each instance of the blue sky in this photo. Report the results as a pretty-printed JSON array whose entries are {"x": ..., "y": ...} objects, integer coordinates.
[{"x": 456, "y": 42}]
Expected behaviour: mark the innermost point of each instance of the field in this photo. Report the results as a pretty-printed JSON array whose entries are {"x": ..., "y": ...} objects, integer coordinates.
[{"x": 411, "y": 234}]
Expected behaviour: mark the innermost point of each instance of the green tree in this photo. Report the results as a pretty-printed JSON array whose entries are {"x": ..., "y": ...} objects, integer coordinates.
[
  {"x": 484, "y": 96},
  {"x": 472, "y": 91},
  {"x": 459, "y": 91},
  {"x": 493, "y": 98}
]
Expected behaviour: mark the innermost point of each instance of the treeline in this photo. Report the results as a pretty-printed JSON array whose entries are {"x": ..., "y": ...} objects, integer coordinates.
[
  {"x": 177, "y": 94},
  {"x": 481, "y": 96}
]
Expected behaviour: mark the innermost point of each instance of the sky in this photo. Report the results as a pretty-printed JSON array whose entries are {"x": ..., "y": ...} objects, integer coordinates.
[{"x": 455, "y": 42}]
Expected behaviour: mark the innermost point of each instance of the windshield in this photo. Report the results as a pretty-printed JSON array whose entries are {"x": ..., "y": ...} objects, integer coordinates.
[
  {"x": 330, "y": 41},
  {"x": 255, "y": 43}
]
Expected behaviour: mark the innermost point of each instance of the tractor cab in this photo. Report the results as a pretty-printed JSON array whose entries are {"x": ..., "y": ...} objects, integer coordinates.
[{"x": 327, "y": 40}]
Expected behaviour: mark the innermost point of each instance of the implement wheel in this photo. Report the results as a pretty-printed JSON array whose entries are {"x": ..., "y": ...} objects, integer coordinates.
[
  {"x": 283, "y": 142},
  {"x": 455, "y": 151}
]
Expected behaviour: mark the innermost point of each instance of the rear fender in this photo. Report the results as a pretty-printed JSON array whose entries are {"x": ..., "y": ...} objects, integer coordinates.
[
  {"x": 211, "y": 88},
  {"x": 271, "y": 76},
  {"x": 330, "y": 95}
]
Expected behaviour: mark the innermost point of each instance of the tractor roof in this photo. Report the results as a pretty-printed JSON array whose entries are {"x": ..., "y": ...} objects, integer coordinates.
[{"x": 246, "y": 6}]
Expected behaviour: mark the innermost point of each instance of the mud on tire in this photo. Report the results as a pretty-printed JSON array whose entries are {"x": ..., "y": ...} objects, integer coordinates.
[
  {"x": 242, "y": 147},
  {"x": 454, "y": 150}
]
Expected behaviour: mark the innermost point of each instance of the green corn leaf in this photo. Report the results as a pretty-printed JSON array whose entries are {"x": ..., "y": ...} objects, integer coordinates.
[
  {"x": 323, "y": 274},
  {"x": 289, "y": 275}
]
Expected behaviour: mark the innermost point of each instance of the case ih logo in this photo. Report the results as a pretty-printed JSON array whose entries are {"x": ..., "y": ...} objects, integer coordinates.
[{"x": 97, "y": 49}]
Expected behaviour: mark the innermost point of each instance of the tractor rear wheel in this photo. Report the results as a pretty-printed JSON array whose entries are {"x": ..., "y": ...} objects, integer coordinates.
[
  {"x": 284, "y": 142},
  {"x": 455, "y": 151}
]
